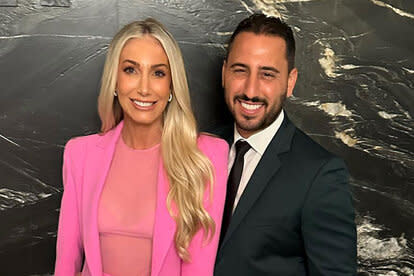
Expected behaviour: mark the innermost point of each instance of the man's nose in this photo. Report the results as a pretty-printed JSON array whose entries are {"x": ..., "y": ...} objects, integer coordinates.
[{"x": 251, "y": 86}]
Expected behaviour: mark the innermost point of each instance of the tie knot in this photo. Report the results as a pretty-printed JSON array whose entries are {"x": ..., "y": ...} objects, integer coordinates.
[{"x": 242, "y": 147}]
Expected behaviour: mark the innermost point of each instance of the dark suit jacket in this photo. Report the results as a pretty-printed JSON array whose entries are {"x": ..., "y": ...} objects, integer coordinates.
[{"x": 295, "y": 216}]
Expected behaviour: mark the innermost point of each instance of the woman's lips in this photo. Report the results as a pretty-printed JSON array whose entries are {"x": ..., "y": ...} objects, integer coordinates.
[{"x": 143, "y": 105}]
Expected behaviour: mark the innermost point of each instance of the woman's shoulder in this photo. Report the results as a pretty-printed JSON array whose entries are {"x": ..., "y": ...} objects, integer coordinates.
[
  {"x": 216, "y": 149},
  {"x": 79, "y": 143},
  {"x": 208, "y": 140},
  {"x": 97, "y": 139}
]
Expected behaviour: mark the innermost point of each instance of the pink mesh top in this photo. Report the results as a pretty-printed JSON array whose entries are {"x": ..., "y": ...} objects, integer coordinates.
[{"x": 127, "y": 209}]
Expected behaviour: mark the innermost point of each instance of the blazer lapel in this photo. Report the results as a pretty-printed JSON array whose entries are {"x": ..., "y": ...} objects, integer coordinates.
[
  {"x": 268, "y": 166},
  {"x": 98, "y": 169},
  {"x": 164, "y": 227}
]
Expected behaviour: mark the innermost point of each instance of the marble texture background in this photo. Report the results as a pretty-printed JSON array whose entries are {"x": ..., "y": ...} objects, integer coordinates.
[{"x": 355, "y": 96}]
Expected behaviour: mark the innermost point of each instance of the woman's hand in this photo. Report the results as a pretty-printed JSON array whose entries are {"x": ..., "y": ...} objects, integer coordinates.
[{"x": 79, "y": 274}]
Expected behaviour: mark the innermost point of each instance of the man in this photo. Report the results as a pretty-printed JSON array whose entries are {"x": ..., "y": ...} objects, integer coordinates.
[{"x": 288, "y": 207}]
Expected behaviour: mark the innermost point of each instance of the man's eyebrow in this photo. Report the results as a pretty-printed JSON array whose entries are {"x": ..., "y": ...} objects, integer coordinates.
[
  {"x": 238, "y": 65},
  {"x": 269, "y": 68},
  {"x": 265, "y": 68}
]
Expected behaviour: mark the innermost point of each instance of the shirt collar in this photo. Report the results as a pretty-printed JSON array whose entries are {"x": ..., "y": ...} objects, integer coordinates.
[{"x": 260, "y": 140}]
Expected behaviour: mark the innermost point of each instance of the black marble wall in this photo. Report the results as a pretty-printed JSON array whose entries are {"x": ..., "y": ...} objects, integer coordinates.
[{"x": 355, "y": 96}]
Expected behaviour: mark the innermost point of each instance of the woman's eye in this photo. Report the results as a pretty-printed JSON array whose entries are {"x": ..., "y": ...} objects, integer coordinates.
[
  {"x": 159, "y": 73},
  {"x": 129, "y": 70}
]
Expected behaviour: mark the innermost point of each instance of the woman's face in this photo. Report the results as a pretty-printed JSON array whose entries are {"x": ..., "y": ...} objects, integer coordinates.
[{"x": 143, "y": 81}]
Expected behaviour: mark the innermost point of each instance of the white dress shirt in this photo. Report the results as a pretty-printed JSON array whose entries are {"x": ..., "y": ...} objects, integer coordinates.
[{"x": 258, "y": 142}]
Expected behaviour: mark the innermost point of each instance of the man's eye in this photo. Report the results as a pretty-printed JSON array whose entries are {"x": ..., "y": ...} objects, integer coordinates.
[
  {"x": 239, "y": 71},
  {"x": 159, "y": 73},
  {"x": 129, "y": 70},
  {"x": 268, "y": 75}
]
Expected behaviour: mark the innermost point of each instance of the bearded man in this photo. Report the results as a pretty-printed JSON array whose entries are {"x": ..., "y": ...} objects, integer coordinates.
[{"x": 288, "y": 208}]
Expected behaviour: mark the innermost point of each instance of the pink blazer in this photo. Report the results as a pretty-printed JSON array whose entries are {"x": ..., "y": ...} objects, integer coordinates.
[{"x": 86, "y": 163}]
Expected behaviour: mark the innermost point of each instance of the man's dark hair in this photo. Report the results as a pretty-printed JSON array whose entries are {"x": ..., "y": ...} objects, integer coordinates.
[{"x": 263, "y": 25}]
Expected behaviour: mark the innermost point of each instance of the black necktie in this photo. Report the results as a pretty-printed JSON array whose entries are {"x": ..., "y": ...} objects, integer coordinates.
[{"x": 232, "y": 185}]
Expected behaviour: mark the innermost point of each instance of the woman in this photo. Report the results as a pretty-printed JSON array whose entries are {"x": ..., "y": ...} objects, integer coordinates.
[{"x": 144, "y": 197}]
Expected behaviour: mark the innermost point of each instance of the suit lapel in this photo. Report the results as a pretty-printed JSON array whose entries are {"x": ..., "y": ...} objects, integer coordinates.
[
  {"x": 268, "y": 166},
  {"x": 164, "y": 227},
  {"x": 99, "y": 165}
]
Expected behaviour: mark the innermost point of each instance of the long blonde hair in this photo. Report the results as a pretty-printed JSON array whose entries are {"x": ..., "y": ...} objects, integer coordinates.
[{"x": 189, "y": 171}]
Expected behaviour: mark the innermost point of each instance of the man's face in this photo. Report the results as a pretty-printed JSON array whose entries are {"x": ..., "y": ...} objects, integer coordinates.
[{"x": 256, "y": 80}]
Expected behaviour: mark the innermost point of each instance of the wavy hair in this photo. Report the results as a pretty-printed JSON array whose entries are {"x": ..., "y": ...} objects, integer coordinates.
[{"x": 189, "y": 171}]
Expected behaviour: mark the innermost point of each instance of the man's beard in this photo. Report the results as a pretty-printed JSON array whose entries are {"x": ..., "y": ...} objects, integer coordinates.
[{"x": 266, "y": 120}]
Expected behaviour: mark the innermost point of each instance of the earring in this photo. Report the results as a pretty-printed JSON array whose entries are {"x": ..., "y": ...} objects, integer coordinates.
[
  {"x": 170, "y": 97},
  {"x": 115, "y": 94}
]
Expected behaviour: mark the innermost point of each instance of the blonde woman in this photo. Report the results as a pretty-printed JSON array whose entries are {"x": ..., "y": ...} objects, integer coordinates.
[{"x": 145, "y": 196}]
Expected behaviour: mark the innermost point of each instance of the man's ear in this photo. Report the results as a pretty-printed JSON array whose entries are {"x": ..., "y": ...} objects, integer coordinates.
[
  {"x": 223, "y": 70},
  {"x": 293, "y": 76}
]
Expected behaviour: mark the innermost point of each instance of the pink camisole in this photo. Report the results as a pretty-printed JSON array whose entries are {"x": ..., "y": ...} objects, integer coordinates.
[{"x": 127, "y": 209}]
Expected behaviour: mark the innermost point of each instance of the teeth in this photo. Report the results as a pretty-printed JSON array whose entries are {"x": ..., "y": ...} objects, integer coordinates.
[
  {"x": 143, "y": 104},
  {"x": 251, "y": 106}
]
